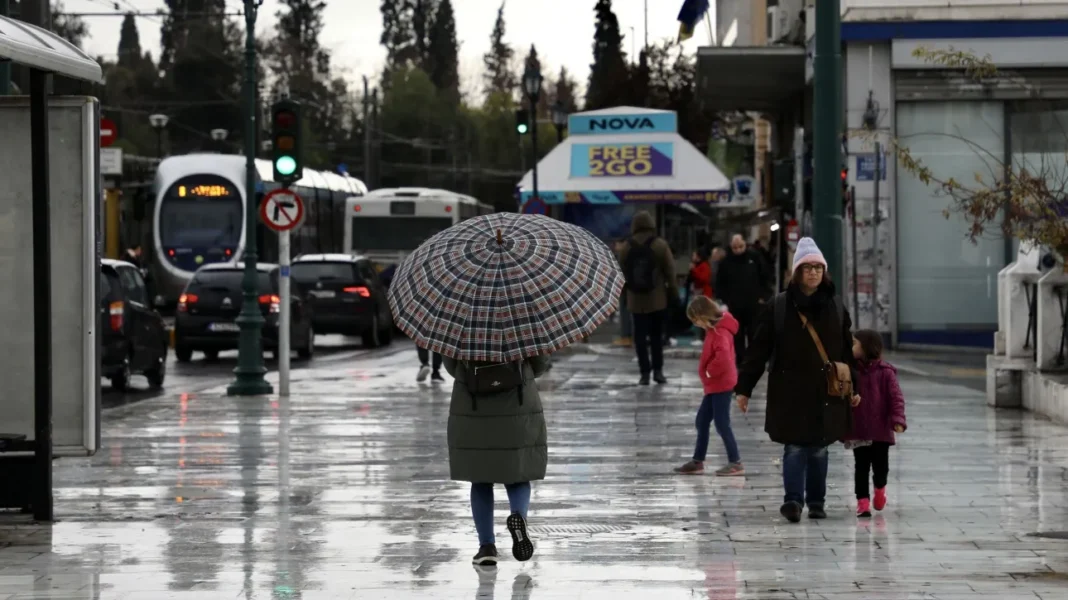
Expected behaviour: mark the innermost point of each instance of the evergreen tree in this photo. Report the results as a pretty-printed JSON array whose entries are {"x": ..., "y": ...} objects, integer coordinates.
[
  {"x": 202, "y": 64},
  {"x": 499, "y": 77},
  {"x": 397, "y": 37},
  {"x": 302, "y": 67},
  {"x": 609, "y": 74},
  {"x": 443, "y": 56},
  {"x": 422, "y": 18},
  {"x": 129, "y": 43},
  {"x": 564, "y": 90}
]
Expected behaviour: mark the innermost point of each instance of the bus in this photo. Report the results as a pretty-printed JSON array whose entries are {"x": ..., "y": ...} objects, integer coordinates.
[
  {"x": 199, "y": 216},
  {"x": 388, "y": 224}
]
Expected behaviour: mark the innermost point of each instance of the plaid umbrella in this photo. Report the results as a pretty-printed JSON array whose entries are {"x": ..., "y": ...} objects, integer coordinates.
[{"x": 503, "y": 287}]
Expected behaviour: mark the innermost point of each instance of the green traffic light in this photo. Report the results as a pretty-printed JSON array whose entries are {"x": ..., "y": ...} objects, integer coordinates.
[
  {"x": 285, "y": 165},
  {"x": 521, "y": 128}
]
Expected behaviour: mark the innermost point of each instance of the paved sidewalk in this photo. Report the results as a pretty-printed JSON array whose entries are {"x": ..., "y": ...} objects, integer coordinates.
[{"x": 342, "y": 492}]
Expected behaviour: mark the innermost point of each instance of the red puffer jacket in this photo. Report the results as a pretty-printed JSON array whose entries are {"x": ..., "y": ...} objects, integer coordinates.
[{"x": 718, "y": 370}]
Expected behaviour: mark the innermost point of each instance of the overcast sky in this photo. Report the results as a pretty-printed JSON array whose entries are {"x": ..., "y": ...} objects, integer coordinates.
[{"x": 561, "y": 29}]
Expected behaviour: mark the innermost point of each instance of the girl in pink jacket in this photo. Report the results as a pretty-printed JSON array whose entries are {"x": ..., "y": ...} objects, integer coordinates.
[
  {"x": 719, "y": 376},
  {"x": 880, "y": 414}
]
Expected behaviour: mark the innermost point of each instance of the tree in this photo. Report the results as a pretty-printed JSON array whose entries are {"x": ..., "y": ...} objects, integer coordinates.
[
  {"x": 129, "y": 43},
  {"x": 397, "y": 37},
  {"x": 564, "y": 90},
  {"x": 669, "y": 78},
  {"x": 1025, "y": 198},
  {"x": 301, "y": 66},
  {"x": 201, "y": 61},
  {"x": 422, "y": 17},
  {"x": 609, "y": 74},
  {"x": 499, "y": 77},
  {"x": 443, "y": 62}
]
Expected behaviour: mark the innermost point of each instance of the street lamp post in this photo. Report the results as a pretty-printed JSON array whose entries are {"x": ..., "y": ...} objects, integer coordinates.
[
  {"x": 532, "y": 86},
  {"x": 159, "y": 123},
  {"x": 559, "y": 120},
  {"x": 827, "y": 136},
  {"x": 250, "y": 369}
]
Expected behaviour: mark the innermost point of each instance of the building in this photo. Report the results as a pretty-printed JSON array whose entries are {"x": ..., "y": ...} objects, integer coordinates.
[{"x": 933, "y": 287}]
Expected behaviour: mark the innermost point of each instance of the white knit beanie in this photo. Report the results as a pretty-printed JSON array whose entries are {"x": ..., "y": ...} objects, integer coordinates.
[{"x": 808, "y": 253}]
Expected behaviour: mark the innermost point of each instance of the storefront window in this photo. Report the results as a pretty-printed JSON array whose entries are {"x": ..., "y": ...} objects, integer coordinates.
[
  {"x": 1038, "y": 133},
  {"x": 947, "y": 285}
]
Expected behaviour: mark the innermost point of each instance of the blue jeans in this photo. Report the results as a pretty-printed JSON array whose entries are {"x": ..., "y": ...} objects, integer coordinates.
[
  {"x": 804, "y": 474},
  {"x": 716, "y": 408},
  {"x": 482, "y": 506}
]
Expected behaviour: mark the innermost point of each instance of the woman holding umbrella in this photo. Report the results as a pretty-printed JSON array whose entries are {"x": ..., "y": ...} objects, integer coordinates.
[{"x": 494, "y": 295}]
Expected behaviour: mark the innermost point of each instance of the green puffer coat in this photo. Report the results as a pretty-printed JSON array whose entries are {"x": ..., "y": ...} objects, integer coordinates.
[{"x": 497, "y": 439}]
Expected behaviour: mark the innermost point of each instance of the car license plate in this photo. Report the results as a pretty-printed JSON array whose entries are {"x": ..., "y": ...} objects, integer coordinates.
[
  {"x": 324, "y": 293},
  {"x": 224, "y": 327}
]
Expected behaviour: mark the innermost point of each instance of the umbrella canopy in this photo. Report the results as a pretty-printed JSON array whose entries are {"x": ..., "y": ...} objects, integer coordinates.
[{"x": 504, "y": 287}]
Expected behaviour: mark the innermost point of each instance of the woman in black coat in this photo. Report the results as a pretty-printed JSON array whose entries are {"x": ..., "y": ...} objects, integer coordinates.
[{"x": 801, "y": 415}]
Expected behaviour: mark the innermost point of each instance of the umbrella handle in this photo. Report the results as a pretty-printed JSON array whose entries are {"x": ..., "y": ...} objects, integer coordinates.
[{"x": 500, "y": 239}]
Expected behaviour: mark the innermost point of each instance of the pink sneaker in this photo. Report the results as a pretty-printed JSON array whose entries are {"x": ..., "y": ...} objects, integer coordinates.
[
  {"x": 863, "y": 507},
  {"x": 880, "y": 498}
]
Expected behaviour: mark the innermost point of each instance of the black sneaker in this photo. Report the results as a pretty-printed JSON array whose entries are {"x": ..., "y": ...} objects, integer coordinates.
[
  {"x": 436, "y": 377},
  {"x": 815, "y": 511},
  {"x": 487, "y": 555},
  {"x": 659, "y": 377},
  {"x": 522, "y": 547},
  {"x": 644, "y": 380},
  {"x": 792, "y": 512}
]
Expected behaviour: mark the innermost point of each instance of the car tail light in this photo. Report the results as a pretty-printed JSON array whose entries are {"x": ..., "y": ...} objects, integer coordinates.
[
  {"x": 359, "y": 289},
  {"x": 116, "y": 310},
  {"x": 185, "y": 300},
  {"x": 273, "y": 300}
]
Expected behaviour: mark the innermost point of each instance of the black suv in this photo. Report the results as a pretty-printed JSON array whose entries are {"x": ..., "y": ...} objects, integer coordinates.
[
  {"x": 209, "y": 306},
  {"x": 133, "y": 338},
  {"x": 349, "y": 296}
]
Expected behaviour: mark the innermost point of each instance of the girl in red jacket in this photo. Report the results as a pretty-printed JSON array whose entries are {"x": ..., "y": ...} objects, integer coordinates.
[{"x": 719, "y": 376}]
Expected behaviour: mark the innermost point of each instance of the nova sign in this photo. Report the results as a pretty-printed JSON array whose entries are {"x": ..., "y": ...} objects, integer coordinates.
[{"x": 595, "y": 124}]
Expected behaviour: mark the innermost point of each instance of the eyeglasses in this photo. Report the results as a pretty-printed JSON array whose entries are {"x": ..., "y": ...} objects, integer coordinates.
[{"x": 812, "y": 268}]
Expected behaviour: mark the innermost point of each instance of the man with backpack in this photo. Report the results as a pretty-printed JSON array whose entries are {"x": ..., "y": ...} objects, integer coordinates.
[{"x": 649, "y": 269}]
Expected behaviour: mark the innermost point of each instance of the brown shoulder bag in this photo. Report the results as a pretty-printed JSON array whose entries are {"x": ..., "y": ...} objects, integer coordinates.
[{"x": 839, "y": 377}]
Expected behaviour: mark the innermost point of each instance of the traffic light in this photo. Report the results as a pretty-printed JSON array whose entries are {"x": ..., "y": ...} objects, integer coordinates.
[
  {"x": 522, "y": 121},
  {"x": 285, "y": 138}
]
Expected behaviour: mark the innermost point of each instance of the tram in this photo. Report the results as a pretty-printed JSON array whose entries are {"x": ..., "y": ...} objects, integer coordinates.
[{"x": 199, "y": 216}]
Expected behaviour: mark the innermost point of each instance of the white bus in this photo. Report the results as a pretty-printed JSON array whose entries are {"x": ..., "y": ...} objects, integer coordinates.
[
  {"x": 199, "y": 216},
  {"x": 386, "y": 225}
]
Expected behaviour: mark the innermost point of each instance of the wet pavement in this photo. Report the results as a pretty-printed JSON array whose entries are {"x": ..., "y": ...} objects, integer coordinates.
[{"x": 342, "y": 491}]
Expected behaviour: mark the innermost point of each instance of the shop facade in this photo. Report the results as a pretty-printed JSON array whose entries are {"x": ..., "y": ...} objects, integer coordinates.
[{"x": 933, "y": 286}]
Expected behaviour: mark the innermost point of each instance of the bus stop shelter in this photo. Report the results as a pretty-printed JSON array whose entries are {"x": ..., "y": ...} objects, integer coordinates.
[{"x": 27, "y": 444}]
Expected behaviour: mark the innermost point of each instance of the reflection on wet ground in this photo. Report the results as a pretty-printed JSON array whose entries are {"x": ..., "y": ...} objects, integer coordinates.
[{"x": 342, "y": 492}]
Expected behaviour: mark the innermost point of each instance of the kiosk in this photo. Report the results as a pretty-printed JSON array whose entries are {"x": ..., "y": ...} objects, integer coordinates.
[
  {"x": 49, "y": 262},
  {"x": 620, "y": 160}
]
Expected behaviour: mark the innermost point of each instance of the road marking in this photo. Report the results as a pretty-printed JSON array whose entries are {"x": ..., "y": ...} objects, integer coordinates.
[{"x": 912, "y": 370}]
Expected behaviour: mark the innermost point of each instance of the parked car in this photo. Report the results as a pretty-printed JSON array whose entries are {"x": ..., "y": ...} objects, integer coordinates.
[
  {"x": 210, "y": 303},
  {"x": 133, "y": 338},
  {"x": 348, "y": 294}
]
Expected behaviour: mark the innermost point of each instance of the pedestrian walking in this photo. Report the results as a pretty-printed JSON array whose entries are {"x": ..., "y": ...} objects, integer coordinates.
[
  {"x": 649, "y": 269},
  {"x": 497, "y": 435},
  {"x": 804, "y": 342},
  {"x": 701, "y": 273},
  {"x": 744, "y": 283},
  {"x": 875, "y": 420},
  {"x": 719, "y": 374},
  {"x": 424, "y": 366},
  {"x": 494, "y": 296}
]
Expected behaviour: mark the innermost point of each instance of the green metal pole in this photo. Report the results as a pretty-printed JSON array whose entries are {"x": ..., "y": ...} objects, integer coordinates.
[
  {"x": 5, "y": 66},
  {"x": 827, "y": 137},
  {"x": 250, "y": 368}
]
